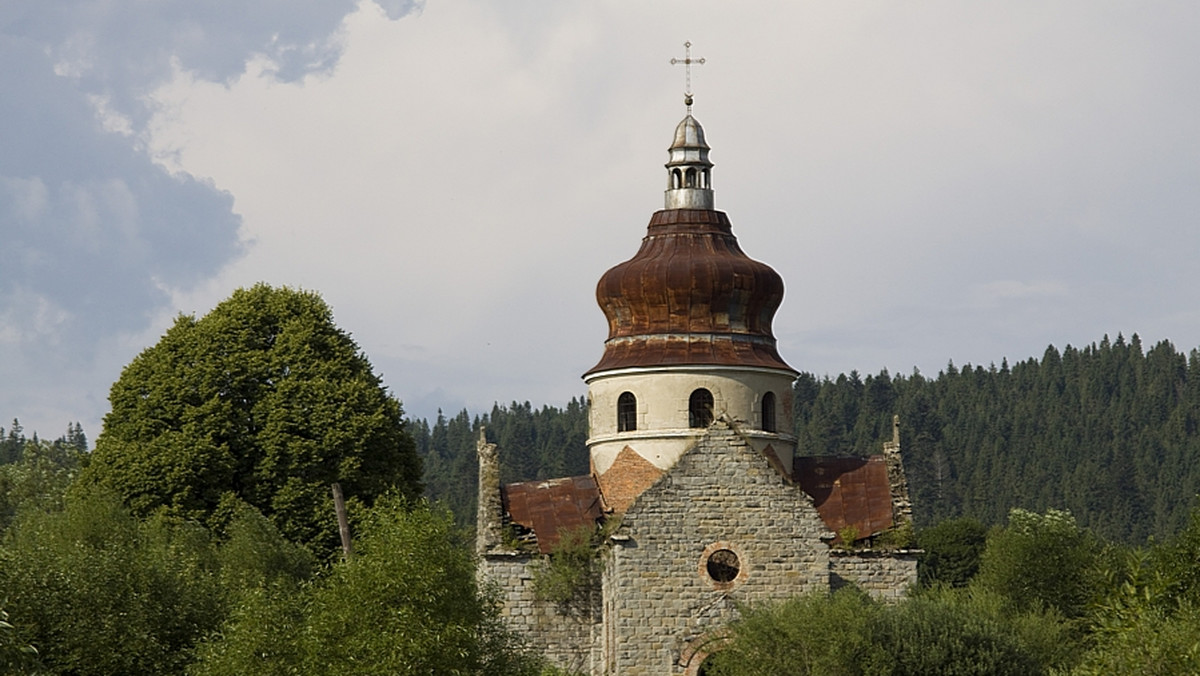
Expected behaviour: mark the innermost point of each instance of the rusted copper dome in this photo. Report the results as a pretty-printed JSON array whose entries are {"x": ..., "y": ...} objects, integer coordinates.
[{"x": 690, "y": 297}]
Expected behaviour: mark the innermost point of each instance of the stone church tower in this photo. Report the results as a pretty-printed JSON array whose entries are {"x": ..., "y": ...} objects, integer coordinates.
[
  {"x": 694, "y": 466},
  {"x": 689, "y": 339}
]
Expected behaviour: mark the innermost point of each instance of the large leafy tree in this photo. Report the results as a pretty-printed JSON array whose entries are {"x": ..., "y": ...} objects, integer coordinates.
[
  {"x": 1044, "y": 561},
  {"x": 264, "y": 401},
  {"x": 408, "y": 602}
]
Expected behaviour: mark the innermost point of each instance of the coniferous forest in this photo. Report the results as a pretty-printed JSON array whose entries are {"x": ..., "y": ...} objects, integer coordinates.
[
  {"x": 534, "y": 444},
  {"x": 1109, "y": 432}
]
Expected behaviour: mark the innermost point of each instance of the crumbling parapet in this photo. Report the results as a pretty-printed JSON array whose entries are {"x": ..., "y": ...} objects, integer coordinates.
[
  {"x": 901, "y": 503},
  {"x": 489, "y": 514}
]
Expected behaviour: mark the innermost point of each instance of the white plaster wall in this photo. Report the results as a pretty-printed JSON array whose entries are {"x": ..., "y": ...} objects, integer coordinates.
[{"x": 662, "y": 434}]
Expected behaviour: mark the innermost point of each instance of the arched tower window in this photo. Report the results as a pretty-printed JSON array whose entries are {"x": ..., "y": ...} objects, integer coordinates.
[
  {"x": 676, "y": 179},
  {"x": 689, "y": 178},
  {"x": 768, "y": 412},
  {"x": 700, "y": 408},
  {"x": 626, "y": 412}
]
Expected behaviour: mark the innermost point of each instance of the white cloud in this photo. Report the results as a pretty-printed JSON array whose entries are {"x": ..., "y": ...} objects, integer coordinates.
[
  {"x": 934, "y": 181},
  {"x": 96, "y": 235}
]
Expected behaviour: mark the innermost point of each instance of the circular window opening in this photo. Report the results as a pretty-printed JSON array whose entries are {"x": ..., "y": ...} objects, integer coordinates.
[{"x": 723, "y": 565}]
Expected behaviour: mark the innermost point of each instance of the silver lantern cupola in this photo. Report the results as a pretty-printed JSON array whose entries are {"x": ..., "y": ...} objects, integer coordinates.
[{"x": 689, "y": 172}]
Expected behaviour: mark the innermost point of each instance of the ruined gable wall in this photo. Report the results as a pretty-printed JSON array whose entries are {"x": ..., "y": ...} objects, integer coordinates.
[
  {"x": 658, "y": 596},
  {"x": 567, "y": 637}
]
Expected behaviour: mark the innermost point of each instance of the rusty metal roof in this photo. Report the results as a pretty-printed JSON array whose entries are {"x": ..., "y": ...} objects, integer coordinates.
[
  {"x": 690, "y": 296},
  {"x": 848, "y": 492},
  {"x": 553, "y": 506}
]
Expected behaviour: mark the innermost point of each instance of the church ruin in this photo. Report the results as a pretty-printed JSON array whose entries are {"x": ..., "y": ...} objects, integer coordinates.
[{"x": 695, "y": 474}]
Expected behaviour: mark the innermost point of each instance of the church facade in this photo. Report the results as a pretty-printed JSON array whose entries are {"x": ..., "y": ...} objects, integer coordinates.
[{"x": 695, "y": 477}]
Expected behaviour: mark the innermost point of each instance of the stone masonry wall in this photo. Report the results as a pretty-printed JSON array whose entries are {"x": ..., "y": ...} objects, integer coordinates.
[
  {"x": 883, "y": 575},
  {"x": 568, "y": 638},
  {"x": 662, "y": 606}
]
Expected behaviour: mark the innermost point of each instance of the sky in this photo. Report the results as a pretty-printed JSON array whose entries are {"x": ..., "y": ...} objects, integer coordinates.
[{"x": 935, "y": 181}]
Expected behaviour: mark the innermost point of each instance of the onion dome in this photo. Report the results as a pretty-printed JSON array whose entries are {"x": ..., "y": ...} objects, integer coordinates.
[{"x": 690, "y": 296}]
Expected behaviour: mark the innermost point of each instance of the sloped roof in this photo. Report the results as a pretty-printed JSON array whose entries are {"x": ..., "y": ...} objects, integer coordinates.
[
  {"x": 848, "y": 492},
  {"x": 553, "y": 506}
]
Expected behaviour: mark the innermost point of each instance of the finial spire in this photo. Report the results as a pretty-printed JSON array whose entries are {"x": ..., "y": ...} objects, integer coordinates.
[{"x": 687, "y": 62}]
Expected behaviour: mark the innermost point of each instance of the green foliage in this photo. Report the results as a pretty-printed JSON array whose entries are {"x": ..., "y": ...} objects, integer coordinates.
[
  {"x": 1050, "y": 599},
  {"x": 254, "y": 555},
  {"x": 805, "y": 635},
  {"x": 38, "y": 478},
  {"x": 264, "y": 399},
  {"x": 407, "y": 603},
  {"x": 1044, "y": 635},
  {"x": 952, "y": 552},
  {"x": 1109, "y": 431},
  {"x": 899, "y": 536},
  {"x": 847, "y": 536},
  {"x": 570, "y": 574},
  {"x": 15, "y": 656},
  {"x": 98, "y": 592},
  {"x": 1148, "y": 622},
  {"x": 927, "y": 635},
  {"x": 1173, "y": 575},
  {"x": 848, "y": 634},
  {"x": 1154, "y": 643},
  {"x": 262, "y": 635},
  {"x": 13, "y": 442},
  {"x": 1043, "y": 561}
]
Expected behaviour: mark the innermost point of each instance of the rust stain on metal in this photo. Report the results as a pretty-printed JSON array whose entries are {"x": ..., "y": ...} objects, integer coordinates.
[
  {"x": 553, "y": 506},
  {"x": 690, "y": 296},
  {"x": 848, "y": 492}
]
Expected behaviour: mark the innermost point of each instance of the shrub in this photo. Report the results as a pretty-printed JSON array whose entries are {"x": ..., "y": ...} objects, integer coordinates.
[
  {"x": 570, "y": 574},
  {"x": 1043, "y": 560},
  {"x": 813, "y": 634},
  {"x": 952, "y": 552}
]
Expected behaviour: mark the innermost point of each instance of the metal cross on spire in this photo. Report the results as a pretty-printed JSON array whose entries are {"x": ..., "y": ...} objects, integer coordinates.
[{"x": 687, "y": 62}]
